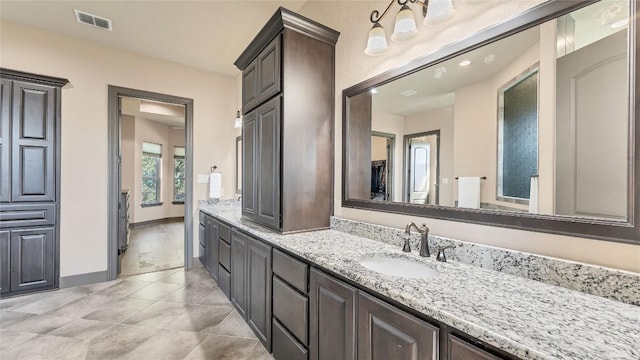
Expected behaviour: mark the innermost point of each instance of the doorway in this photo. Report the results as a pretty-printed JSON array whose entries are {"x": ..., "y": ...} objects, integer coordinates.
[
  {"x": 382, "y": 165},
  {"x": 154, "y": 196},
  {"x": 422, "y": 168}
]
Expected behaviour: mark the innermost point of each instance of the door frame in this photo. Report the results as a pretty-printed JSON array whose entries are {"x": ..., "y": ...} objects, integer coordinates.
[
  {"x": 391, "y": 163},
  {"x": 113, "y": 176},
  {"x": 405, "y": 163}
]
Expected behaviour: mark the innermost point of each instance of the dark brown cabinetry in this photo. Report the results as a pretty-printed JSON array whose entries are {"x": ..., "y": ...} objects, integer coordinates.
[
  {"x": 332, "y": 318},
  {"x": 462, "y": 350},
  {"x": 29, "y": 181},
  {"x": 288, "y": 72},
  {"x": 208, "y": 239},
  {"x": 384, "y": 332},
  {"x": 251, "y": 283}
]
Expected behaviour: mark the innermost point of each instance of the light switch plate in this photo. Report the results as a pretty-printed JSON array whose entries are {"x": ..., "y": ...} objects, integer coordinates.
[{"x": 203, "y": 179}]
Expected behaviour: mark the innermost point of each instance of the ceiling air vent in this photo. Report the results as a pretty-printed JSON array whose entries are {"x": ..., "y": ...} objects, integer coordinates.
[{"x": 90, "y": 19}]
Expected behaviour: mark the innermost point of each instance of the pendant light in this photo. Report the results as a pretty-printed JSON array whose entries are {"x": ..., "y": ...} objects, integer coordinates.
[
  {"x": 377, "y": 42},
  {"x": 439, "y": 11},
  {"x": 405, "y": 27},
  {"x": 238, "y": 122}
]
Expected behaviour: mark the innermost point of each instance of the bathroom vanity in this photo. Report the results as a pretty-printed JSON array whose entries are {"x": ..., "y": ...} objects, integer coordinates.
[{"x": 307, "y": 296}]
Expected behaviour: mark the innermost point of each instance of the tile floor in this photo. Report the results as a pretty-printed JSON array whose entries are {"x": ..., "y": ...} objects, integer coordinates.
[
  {"x": 172, "y": 314},
  {"x": 154, "y": 248}
]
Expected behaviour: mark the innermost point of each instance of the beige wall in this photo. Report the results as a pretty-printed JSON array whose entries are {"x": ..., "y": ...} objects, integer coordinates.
[
  {"x": 352, "y": 67},
  {"x": 90, "y": 68},
  {"x": 150, "y": 131}
]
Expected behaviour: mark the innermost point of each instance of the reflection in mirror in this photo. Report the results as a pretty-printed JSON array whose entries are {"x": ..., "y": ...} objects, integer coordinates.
[{"x": 536, "y": 122}]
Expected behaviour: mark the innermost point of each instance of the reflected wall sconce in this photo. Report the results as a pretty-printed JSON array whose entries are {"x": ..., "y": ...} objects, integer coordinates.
[
  {"x": 238, "y": 123},
  {"x": 434, "y": 12}
]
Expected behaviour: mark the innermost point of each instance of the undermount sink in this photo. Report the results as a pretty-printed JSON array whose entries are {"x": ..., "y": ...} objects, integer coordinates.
[{"x": 399, "y": 267}]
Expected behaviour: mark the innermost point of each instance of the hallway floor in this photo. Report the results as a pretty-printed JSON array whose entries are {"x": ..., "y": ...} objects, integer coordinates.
[
  {"x": 173, "y": 314},
  {"x": 154, "y": 248}
]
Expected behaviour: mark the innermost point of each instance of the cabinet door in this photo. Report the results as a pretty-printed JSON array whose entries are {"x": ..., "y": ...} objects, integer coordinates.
[
  {"x": 33, "y": 142},
  {"x": 268, "y": 160},
  {"x": 5, "y": 140},
  {"x": 212, "y": 249},
  {"x": 249, "y": 178},
  {"x": 385, "y": 332},
  {"x": 332, "y": 318},
  {"x": 269, "y": 67},
  {"x": 249, "y": 87},
  {"x": 259, "y": 290},
  {"x": 202, "y": 239},
  {"x": 461, "y": 350},
  {"x": 238, "y": 272},
  {"x": 5, "y": 269},
  {"x": 32, "y": 259}
]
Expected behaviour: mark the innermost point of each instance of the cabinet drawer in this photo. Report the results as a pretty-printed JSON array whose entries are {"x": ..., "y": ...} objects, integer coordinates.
[
  {"x": 225, "y": 255},
  {"x": 201, "y": 254},
  {"x": 23, "y": 215},
  {"x": 224, "y": 281},
  {"x": 291, "y": 309},
  {"x": 462, "y": 350},
  {"x": 225, "y": 233},
  {"x": 284, "y": 346},
  {"x": 202, "y": 216},
  {"x": 293, "y": 271}
]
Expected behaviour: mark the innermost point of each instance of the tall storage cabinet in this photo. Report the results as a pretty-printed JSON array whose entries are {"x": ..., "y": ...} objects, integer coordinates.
[
  {"x": 288, "y": 106},
  {"x": 29, "y": 182}
]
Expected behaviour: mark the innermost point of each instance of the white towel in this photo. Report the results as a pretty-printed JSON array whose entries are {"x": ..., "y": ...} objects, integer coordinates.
[
  {"x": 215, "y": 186},
  {"x": 469, "y": 192},
  {"x": 533, "y": 196}
]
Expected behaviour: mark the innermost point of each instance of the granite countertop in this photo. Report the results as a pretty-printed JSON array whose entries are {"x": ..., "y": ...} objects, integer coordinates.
[{"x": 526, "y": 318}]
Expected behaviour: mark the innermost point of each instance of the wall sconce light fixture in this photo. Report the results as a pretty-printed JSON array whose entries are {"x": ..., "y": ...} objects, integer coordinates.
[
  {"x": 238, "y": 123},
  {"x": 434, "y": 12}
]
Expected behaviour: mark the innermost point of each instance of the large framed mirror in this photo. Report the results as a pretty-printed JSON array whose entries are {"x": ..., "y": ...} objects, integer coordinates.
[{"x": 530, "y": 124}]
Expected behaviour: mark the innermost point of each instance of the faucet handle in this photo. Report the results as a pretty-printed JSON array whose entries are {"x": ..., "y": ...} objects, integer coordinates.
[
  {"x": 441, "y": 256},
  {"x": 406, "y": 247}
]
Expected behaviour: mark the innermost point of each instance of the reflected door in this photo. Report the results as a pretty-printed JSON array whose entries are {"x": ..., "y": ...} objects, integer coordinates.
[{"x": 419, "y": 171}]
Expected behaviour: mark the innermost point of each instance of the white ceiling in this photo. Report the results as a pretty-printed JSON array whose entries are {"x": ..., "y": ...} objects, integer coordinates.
[
  {"x": 164, "y": 113},
  {"x": 207, "y": 34}
]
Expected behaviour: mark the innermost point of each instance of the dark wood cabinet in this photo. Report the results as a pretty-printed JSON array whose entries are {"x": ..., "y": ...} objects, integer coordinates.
[
  {"x": 32, "y": 259},
  {"x": 249, "y": 177},
  {"x": 238, "y": 272},
  {"x": 288, "y": 130},
  {"x": 332, "y": 318},
  {"x": 268, "y": 160},
  {"x": 259, "y": 289},
  {"x": 5, "y": 262},
  {"x": 29, "y": 181},
  {"x": 202, "y": 240},
  {"x": 212, "y": 249},
  {"x": 462, "y": 350},
  {"x": 385, "y": 332}
]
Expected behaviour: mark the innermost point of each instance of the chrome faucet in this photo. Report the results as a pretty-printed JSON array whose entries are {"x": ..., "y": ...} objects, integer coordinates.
[{"x": 424, "y": 237}]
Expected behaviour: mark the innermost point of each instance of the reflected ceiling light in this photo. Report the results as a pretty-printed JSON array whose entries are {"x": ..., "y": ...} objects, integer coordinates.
[
  {"x": 238, "y": 123},
  {"x": 439, "y": 72},
  {"x": 405, "y": 27},
  {"x": 439, "y": 11},
  {"x": 465, "y": 63},
  {"x": 373, "y": 91},
  {"x": 489, "y": 59},
  {"x": 619, "y": 24},
  {"x": 408, "y": 93},
  {"x": 405, "y": 23}
]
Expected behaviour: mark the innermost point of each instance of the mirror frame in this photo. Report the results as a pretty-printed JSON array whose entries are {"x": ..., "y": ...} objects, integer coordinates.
[{"x": 618, "y": 231}]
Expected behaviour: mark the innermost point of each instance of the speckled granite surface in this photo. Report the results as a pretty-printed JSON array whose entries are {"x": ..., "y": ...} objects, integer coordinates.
[
  {"x": 591, "y": 279},
  {"x": 526, "y": 318}
]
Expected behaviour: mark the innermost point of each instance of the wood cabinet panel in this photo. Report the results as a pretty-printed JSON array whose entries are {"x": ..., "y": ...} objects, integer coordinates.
[
  {"x": 212, "y": 247},
  {"x": 332, "y": 318},
  {"x": 268, "y": 152},
  {"x": 249, "y": 87},
  {"x": 238, "y": 272},
  {"x": 293, "y": 271},
  {"x": 384, "y": 332},
  {"x": 269, "y": 64},
  {"x": 5, "y": 262},
  {"x": 249, "y": 174},
  {"x": 33, "y": 142},
  {"x": 462, "y": 350},
  {"x": 32, "y": 258},
  {"x": 259, "y": 289},
  {"x": 285, "y": 346},
  {"x": 5, "y": 140},
  {"x": 291, "y": 309},
  {"x": 225, "y": 255}
]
